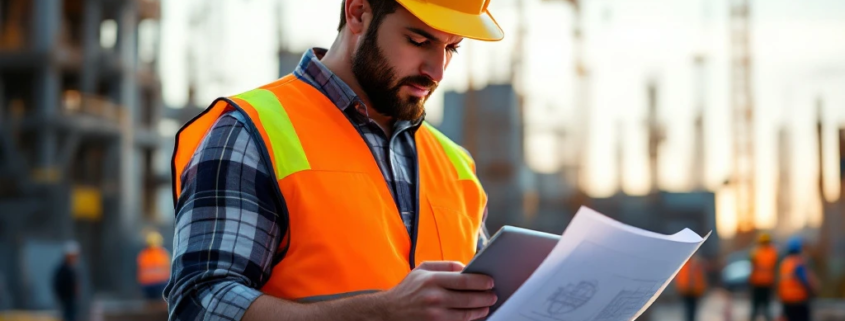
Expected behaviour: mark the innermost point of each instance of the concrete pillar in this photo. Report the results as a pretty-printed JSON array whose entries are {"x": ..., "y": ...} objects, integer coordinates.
[
  {"x": 3, "y": 103},
  {"x": 842, "y": 168},
  {"x": 92, "y": 19},
  {"x": 46, "y": 20},
  {"x": 46, "y": 90},
  {"x": 46, "y": 85},
  {"x": 111, "y": 222},
  {"x": 130, "y": 180}
]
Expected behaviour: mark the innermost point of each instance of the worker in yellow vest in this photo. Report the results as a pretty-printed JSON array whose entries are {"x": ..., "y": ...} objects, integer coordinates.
[
  {"x": 764, "y": 260},
  {"x": 796, "y": 283},
  {"x": 325, "y": 195},
  {"x": 691, "y": 283},
  {"x": 153, "y": 267}
]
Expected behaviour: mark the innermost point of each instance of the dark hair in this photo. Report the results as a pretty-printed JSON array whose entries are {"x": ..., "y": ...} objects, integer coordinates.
[{"x": 381, "y": 8}]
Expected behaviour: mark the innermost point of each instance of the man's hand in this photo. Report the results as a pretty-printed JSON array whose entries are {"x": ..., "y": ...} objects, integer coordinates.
[
  {"x": 438, "y": 291},
  {"x": 434, "y": 291}
]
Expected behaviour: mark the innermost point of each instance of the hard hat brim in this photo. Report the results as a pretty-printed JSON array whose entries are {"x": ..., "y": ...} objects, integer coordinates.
[{"x": 467, "y": 25}]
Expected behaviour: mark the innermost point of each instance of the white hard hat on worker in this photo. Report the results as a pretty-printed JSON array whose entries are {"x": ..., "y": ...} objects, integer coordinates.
[{"x": 402, "y": 47}]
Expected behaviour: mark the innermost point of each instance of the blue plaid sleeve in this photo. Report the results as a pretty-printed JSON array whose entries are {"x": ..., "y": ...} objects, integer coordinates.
[
  {"x": 227, "y": 227},
  {"x": 483, "y": 234}
]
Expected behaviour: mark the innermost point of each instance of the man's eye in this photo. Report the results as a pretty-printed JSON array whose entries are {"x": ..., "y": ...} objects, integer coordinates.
[
  {"x": 452, "y": 49},
  {"x": 418, "y": 44}
]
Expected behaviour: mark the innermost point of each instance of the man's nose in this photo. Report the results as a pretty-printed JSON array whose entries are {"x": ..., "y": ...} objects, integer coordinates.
[{"x": 434, "y": 66}]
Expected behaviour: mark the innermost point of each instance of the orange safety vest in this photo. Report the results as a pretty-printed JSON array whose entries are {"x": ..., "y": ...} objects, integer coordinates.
[
  {"x": 790, "y": 288},
  {"x": 346, "y": 234},
  {"x": 763, "y": 264},
  {"x": 153, "y": 266},
  {"x": 691, "y": 280}
]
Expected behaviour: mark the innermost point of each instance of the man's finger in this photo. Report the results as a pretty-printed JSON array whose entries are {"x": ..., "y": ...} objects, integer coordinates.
[
  {"x": 470, "y": 299},
  {"x": 467, "y": 314},
  {"x": 464, "y": 282},
  {"x": 441, "y": 266}
]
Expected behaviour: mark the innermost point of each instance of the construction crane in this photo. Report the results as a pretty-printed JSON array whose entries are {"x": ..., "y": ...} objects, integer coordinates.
[
  {"x": 656, "y": 137},
  {"x": 784, "y": 185},
  {"x": 517, "y": 73},
  {"x": 742, "y": 106},
  {"x": 698, "y": 160}
]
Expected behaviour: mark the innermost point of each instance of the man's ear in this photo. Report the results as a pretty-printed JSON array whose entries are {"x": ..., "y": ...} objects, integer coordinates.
[{"x": 358, "y": 15}]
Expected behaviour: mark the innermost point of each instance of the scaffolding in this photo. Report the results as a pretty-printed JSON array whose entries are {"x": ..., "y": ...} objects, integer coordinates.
[
  {"x": 78, "y": 138},
  {"x": 742, "y": 105}
]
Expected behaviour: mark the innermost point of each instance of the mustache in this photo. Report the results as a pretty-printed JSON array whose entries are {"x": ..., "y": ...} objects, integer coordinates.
[{"x": 420, "y": 81}]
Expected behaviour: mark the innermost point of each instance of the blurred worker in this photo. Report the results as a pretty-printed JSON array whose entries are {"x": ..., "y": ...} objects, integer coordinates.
[
  {"x": 153, "y": 267},
  {"x": 691, "y": 283},
  {"x": 764, "y": 260},
  {"x": 66, "y": 282},
  {"x": 795, "y": 284},
  {"x": 328, "y": 184}
]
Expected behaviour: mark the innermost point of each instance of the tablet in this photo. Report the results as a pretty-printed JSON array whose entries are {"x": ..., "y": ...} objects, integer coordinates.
[{"x": 510, "y": 257}]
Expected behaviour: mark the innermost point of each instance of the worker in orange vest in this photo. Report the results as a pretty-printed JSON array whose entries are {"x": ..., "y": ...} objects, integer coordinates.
[
  {"x": 796, "y": 283},
  {"x": 691, "y": 283},
  {"x": 153, "y": 267},
  {"x": 328, "y": 187},
  {"x": 764, "y": 260}
]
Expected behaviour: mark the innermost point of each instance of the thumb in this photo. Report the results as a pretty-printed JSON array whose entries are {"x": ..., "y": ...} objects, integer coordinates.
[{"x": 441, "y": 266}]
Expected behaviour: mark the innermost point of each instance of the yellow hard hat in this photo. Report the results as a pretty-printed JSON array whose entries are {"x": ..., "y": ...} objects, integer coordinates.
[
  {"x": 465, "y": 18},
  {"x": 764, "y": 238},
  {"x": 154, "y": 239}
]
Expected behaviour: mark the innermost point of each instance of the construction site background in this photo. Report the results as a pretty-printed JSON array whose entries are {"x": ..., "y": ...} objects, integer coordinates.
[{"x": 93, "y": 91}]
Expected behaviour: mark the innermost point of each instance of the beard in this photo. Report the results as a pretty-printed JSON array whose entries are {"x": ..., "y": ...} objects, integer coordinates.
[{"x": 378, "y": 81}]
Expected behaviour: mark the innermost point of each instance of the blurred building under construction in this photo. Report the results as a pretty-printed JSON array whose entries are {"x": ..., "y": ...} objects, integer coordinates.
[
  {"x": 490, "y": 123},
  {"x": 547, "y": 201},
  {"x": 80, "y": 104}
]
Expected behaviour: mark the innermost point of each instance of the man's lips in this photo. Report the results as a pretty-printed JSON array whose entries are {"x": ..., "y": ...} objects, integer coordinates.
[{"x": 418, "y": 91}]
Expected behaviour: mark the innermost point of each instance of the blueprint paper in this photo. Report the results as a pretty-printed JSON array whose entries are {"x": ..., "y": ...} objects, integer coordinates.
[{"x": 600, "y": 270}]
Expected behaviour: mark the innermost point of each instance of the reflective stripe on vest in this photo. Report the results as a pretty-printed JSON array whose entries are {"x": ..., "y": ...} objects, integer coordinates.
[
  {"x": 790, "y": 288},
  {"x": 346, "y": 235},
  {"x": 763, "y": 266},
  {"x": 285, "y": 143},
  {"x": 456, "y": 154}
]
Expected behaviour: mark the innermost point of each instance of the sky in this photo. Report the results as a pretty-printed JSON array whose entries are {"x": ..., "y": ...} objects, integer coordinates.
[{"x": 797, "y": 47}]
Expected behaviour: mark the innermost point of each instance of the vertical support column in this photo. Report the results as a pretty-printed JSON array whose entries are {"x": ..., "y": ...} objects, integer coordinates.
[
  {"x": 46, "y": 17},
  {"x": 820, "y": 146},
  {"x": 842, "y": 170},
  {"x": 112, "y": 225},
  {"x": 91, "y": 45},
  {"x": 2, "y": 97},
  {"x": 580, "y": 95},
  {"x": 129, "y": 157}
]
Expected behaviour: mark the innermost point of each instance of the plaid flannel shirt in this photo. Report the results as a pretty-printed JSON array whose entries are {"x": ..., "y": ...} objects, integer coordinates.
[{"x": 227, "y": 224}]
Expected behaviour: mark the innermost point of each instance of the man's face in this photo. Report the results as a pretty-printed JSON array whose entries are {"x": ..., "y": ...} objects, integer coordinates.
[
  {"x": 72, "y": 258},
  {"x": 400, "y": 62}
]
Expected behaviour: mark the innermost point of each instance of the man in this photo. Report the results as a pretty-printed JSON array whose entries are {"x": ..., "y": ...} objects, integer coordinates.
[
  {"x": 66, "y": 282},
  {"x": 153, "y": 267},
  {"x": 324, "y": 195},
  {"x": 691, "y": 283},
  {"x": 764, "y": 260},
  {"x": 795, "y": 287}
]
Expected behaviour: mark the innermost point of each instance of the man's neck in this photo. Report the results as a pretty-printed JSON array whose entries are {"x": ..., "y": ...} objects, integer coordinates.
[{"x": 340, "y": 63}]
